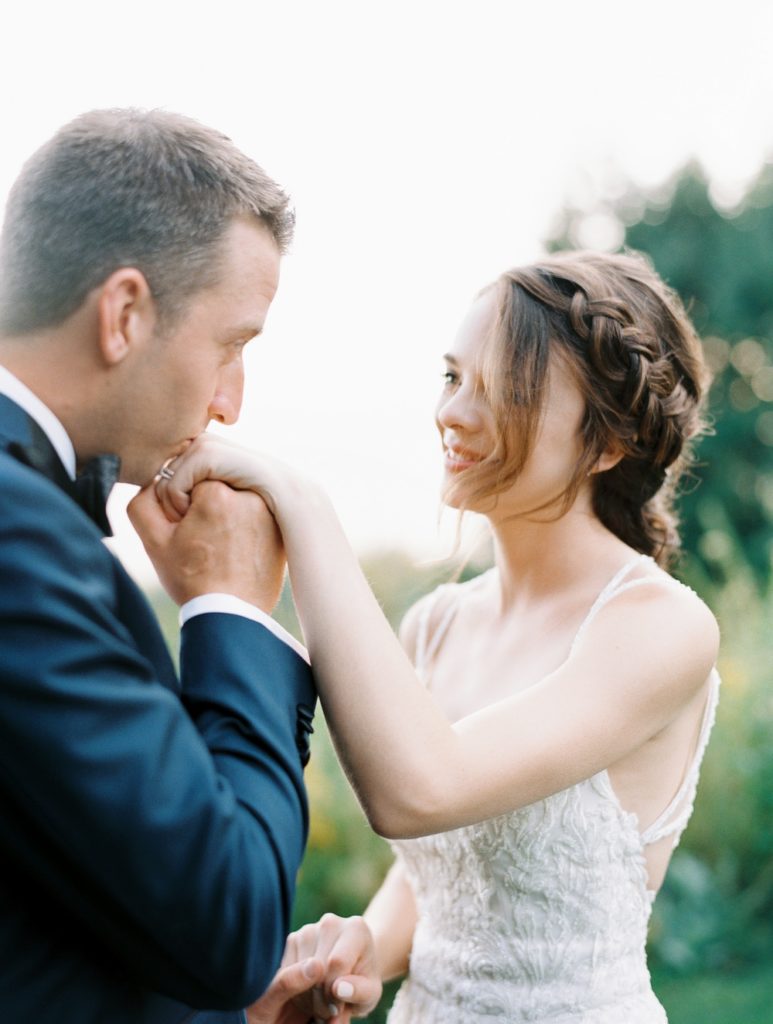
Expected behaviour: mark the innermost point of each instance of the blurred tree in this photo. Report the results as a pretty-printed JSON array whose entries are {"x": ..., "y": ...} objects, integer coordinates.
[{"x": 721, "y": 264}]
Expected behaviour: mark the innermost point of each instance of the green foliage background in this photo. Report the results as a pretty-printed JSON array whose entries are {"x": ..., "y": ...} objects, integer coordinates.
[
  {"x": 712, "y": 930},
  {"x": 716, "y": 909}
]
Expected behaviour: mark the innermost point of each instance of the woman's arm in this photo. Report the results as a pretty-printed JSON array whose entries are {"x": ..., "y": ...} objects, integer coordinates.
[
  {"x": 643, "y": 658},
  {"x": 391, "y": 917}
]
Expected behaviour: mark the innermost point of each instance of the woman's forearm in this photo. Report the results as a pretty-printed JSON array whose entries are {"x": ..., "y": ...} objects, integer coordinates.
[
  {"x": 390, "y": 734},
  {"x": 391, "y": 917}
]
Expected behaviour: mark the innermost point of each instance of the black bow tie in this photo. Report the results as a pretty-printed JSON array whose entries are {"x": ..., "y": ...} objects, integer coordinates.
[
  {"x": 92, "y": 488},
  {"x": 93, "y": 484}
]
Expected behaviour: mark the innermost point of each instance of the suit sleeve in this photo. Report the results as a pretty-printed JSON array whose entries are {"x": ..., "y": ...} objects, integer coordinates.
[{"x": 167, "y": 830}]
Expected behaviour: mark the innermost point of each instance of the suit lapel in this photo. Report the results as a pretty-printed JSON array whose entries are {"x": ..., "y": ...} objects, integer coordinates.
[{"x": 23, "y": 438}]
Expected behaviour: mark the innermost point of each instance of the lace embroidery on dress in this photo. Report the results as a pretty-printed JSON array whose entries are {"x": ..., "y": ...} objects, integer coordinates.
[{"x": 538, "y": 916}]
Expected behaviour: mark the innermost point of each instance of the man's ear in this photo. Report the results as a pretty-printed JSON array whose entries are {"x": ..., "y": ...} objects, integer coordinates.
[{"x": 126, "y": 314}]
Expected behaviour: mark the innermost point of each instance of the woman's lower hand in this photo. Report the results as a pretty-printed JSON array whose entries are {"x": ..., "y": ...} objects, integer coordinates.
[{"x": 340, "y": 958}]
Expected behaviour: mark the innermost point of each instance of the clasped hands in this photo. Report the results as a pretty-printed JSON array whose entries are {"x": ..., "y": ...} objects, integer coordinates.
[
  {"x": 328, "y": 972},
  {"x": 216, "y": 536}
]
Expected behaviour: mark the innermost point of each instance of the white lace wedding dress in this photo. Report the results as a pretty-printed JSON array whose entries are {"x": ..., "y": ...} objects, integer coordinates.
[{"x": 539, "y": 915}]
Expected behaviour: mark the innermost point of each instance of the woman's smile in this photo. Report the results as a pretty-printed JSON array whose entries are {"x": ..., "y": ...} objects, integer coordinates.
[{"x": 457, "y": 459}]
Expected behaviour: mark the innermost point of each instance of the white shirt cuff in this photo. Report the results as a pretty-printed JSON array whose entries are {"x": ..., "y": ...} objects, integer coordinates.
[{"x": 228, "y": 604}]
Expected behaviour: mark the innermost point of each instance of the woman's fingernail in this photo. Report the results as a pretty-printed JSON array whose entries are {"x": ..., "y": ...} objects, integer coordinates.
[
  {"x": 344, "y": 990},
  {"x": 333, "y": 1009}
]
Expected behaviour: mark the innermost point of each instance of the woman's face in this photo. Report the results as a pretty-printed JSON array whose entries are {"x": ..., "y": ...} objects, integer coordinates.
[{"x": 469, "y": 431}]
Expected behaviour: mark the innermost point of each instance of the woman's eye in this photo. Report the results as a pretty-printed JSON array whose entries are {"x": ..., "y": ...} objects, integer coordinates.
[{"x": 450, "y": 379}]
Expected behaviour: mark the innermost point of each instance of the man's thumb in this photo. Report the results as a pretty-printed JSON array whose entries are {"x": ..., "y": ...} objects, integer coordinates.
[{"x": 288, "y": 982}]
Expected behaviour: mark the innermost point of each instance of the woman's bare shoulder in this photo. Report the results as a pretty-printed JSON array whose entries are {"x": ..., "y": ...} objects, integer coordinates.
[
  {"x": 655, "y": 619},
  {"x": 689, "y": 611}
]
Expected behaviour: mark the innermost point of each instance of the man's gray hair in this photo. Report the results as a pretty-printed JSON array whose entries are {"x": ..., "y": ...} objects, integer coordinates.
[{"x": 126, "y": 187}]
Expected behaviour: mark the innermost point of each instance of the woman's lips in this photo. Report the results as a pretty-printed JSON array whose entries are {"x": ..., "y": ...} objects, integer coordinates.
[{"x": 458, "y": 459}]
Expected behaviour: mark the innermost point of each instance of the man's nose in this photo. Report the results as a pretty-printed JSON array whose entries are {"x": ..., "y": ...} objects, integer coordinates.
[{"x": 226, "y": 402}]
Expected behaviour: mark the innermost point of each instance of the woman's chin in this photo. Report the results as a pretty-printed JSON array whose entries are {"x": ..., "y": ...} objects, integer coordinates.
[{"x": 454, "y": 498}]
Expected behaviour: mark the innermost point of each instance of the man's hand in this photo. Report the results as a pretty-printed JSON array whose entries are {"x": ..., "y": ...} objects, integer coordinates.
[
  {"x": 227, "y": 543},
  {"x": 292, "y": 989},
  {"x": 328, "y": 972}
]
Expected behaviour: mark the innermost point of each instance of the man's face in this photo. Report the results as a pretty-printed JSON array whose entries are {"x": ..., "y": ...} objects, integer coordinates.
[{"x": 193, "y": 373}]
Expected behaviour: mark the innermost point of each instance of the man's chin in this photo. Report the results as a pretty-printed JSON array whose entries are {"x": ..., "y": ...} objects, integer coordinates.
[{"x": 140, "y": 476}]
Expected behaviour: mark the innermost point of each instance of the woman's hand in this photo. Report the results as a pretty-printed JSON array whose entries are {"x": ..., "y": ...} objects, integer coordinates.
[
  {"x": 338, "y": 955},
  {"x": 210, "y": 457}
]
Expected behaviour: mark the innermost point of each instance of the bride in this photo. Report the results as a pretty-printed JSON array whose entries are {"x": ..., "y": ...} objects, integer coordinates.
[{"x": 533, "y": 746}]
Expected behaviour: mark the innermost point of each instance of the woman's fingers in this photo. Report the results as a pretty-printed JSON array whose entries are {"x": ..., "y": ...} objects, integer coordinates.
[
  {"x": 210, "y": 457},
  {"x": 179, "y": 476},
  {"x": 352, "y": 977},
  {"x": 351, "y": 983},
  {"x": 359, "y": 992}
]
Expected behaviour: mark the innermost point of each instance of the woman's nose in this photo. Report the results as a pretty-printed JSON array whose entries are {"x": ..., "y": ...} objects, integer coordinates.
[{"x": 458, "y": 410}]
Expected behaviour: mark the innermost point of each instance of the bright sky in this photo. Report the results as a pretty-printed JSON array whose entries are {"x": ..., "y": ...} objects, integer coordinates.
[{"x": 427, "y": 146}]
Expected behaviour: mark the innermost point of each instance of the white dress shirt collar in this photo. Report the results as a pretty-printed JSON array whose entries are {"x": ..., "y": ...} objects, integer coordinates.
[{"x": 12, "y": 388}]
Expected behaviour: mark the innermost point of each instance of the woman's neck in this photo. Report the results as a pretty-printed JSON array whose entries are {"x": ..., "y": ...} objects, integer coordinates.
[{"x": 536, "y": 558}]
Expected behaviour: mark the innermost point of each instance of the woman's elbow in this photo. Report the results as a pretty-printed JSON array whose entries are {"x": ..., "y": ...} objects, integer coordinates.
[{"x": 407, "y": 811}]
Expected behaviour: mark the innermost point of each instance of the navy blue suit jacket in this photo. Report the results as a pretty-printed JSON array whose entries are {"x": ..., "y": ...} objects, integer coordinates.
[{"x": 150, "y": 827}]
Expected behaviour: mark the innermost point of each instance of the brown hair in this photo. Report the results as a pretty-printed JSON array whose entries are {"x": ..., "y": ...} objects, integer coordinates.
[
  {"x": 148, "y": 189},
  {"x": 639, "y": 364}
]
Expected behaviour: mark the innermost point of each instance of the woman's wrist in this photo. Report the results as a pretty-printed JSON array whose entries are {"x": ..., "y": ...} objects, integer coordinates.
[{"x": 294, "y": 500}]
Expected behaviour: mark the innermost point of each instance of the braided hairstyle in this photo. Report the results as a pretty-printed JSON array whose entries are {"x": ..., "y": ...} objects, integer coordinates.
[{"x": 638, "y": 362}]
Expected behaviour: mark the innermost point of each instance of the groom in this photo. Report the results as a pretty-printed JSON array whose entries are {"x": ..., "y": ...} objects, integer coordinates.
[{"x": 152, "y": 823}]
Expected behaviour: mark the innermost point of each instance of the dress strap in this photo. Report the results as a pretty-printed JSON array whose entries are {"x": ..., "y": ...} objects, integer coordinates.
[
  {"x": 426, "y": 644},
  {"x": 429, "y": 635},
  {"x": 676, "y": 815},
  {"x": 674, "y": 818},
  {"x": 614, "y": 587}
]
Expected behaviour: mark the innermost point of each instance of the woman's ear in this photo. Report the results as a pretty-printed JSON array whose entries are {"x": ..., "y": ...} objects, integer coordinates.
[
  {"x": 608, "y": 459},
  {"x": 126, "y": 314}
]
